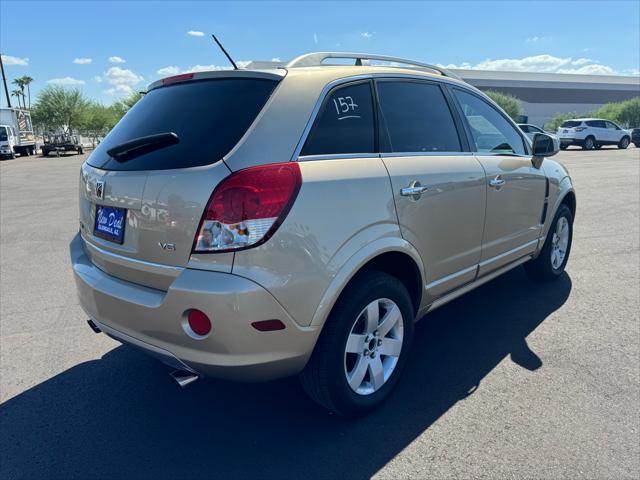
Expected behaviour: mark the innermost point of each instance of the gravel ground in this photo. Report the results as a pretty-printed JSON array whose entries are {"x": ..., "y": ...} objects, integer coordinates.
[{"x": 513, "y": 380}]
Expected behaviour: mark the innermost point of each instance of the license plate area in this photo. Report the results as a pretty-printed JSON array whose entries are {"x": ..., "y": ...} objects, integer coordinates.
[{"x": 109, "y": 223}]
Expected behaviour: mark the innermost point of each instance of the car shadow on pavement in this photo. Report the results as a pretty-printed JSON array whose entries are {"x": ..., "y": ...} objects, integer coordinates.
[{"x": 122, "y": 415}]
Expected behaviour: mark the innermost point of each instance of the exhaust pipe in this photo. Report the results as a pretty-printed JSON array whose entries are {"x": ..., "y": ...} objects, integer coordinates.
[{"x": 184, "y": 378}]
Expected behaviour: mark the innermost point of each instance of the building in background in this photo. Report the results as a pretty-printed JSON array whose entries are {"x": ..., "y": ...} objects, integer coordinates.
[{"x": 545, "y": 94}]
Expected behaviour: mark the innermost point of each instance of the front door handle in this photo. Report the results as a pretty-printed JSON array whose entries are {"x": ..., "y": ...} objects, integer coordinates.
[
  {"x": 414, "y": 190},
  {"x": 497, "y": 182}
]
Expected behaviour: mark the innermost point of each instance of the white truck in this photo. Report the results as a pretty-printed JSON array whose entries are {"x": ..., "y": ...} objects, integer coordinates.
[{"x": 16, "y": 133}]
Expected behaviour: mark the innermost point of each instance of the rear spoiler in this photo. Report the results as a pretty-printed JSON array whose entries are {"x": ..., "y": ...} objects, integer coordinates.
[{"x": 267, "y": 74}]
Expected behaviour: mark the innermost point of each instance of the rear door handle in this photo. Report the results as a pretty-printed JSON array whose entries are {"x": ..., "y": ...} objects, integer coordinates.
[
  {"x": 414, "y": 190},
  {"x": 497, "y": 182}
]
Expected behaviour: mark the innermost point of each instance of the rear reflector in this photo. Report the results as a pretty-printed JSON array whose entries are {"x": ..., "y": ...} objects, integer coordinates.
[
  {"x": 199, "y": 322},
  {"x": 268, "y": 325},
  {"x": 247, "y": 207},
  {"x": 177, "y": 78}
]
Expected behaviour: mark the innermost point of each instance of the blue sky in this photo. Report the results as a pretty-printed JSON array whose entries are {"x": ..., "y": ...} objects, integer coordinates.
[{"x": 112, "y": 48}]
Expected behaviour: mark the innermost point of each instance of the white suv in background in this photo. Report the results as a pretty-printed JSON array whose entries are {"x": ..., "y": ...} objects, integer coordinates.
[{"x": 590, "y": 133}]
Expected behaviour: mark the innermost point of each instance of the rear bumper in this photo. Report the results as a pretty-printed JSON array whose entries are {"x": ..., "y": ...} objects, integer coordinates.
[
  {"x": 571, "y": 141},
  {"x": 152, "y": 320}
]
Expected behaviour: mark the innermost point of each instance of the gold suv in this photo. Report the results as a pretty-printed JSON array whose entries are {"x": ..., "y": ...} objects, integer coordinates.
[{"x": 256, "y": 223}]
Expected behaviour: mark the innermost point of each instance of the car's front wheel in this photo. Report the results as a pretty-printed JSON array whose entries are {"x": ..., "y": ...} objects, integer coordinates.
[
  {"x": 553, "y": 257},
  {"x": 624, "y": 143},
  {"x": 363, "y": 347}
]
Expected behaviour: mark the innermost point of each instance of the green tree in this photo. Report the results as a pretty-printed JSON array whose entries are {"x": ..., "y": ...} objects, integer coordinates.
[
  {"x": 509, "y": 103},
  {"x": 25, "y": 81},
  {"x": 559, "y": 118},
  {"x": 59, "y": 108},
  {"x": 629, "y": 114},
  {"x": 18, "y": 94},
  {"x": 124, "y": 105},
  {"x": 98, "y": 120}
]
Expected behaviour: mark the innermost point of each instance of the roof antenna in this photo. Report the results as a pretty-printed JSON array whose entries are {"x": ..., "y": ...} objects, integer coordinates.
[{"x": 235, "y": 67}]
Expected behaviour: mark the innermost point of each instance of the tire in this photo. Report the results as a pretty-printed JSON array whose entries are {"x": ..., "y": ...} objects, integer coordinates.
[
  {"x": 325, "y": 376},
  {"x": 637, "y": 144},
  {"x": 589, "y": 143},
  {"x": 543, "y": 267},
  {"x": 80, "y": 151},
  {"x": 563, "y": 147},
  {"x": 624, "y": 143}
]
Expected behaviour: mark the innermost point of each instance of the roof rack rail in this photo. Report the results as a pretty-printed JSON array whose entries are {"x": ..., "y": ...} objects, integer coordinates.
[{"x": 317, "y": 58}]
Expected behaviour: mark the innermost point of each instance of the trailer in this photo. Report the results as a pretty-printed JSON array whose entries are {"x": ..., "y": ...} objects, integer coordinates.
[{"x": 20, "y": 137}]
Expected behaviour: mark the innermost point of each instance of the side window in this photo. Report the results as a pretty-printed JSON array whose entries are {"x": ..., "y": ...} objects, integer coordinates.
[
  {"x": 600, "y": 124},
  {"x": 344, "y": 124},
  {"x": 611, "y": 126},
  {"x": 525, "y": 128},
  {"x": 416, "y": 117},
  {"x": 490, "y": 130},
  {"x": 591, "y": 123}
]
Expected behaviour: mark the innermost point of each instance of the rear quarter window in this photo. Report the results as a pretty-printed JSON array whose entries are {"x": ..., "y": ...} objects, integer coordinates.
[
  {"x": 344, "y": 124},
  {"x": 209, "y": 117},
  {"x": 570, "y": 124}
]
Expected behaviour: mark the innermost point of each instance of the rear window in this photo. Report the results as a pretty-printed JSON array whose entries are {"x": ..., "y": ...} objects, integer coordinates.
[
  {"x": 570, "y": 124},
  {"x": 209, "y": 117}
]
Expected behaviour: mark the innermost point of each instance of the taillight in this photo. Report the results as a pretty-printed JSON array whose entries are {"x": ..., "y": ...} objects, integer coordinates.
[
  {"x": 579, "y": 129},
  {"x": 247, "y": 207}
]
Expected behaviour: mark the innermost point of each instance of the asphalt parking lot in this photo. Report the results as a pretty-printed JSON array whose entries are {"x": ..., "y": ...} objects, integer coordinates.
[{"x": 513, "y": 380}]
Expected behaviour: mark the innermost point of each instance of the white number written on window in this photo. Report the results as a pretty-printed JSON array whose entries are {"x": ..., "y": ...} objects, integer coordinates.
[{"x": 344, "y": 107}]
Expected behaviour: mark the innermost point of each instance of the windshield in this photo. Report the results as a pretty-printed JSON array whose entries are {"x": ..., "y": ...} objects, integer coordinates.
[
  {"x": 208, "y": 116},
  {"x": 570, "y": 124},
  {"x": 3, "y": 134}
]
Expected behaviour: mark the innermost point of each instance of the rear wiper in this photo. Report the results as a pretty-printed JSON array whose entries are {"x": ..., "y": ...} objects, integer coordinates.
[{"x": 141, "y": 145}]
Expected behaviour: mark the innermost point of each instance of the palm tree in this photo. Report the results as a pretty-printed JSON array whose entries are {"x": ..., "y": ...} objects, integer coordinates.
[
  {"x": 26, "y": 80},
  {"x": 20, "y": 83},
  {"x": 18, "y": 93}
]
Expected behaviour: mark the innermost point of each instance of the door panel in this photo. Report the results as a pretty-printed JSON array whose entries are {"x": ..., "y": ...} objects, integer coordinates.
[
  {"x": 515, "y": 199},
  {"x": 444, "y": 223}
]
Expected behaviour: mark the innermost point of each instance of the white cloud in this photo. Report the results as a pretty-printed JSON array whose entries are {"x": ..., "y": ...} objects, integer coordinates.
[
  {"x": 171, "y": 70},
  {"x": 66, "y": 81},
  {"x": 367, "y": 34},
  {"x": 583, "y": 61},
  {"x": 536, "y": 39},
  {"x": 119, "y": 91},
  {"x": 315, "y": 38},
  {"x": 594, "y": 69},
  {"x": 195, "y": 33},
  {"x": 122, "y": 81},
  {"x": 116, "y": 59},
  {"x": 540, "y": 63},
  {"x": 175, "y": 70},
  {"x": 276, "y": 59},
  {"x": 82, "y": 61},
  {"x": 10, "y": 60},
  {"x": 98, "y": 78},
  {"x": 122, "y": 76}
]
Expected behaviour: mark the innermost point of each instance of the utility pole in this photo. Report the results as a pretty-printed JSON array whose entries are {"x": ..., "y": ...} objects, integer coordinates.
[{"x": 4, "y": 82}]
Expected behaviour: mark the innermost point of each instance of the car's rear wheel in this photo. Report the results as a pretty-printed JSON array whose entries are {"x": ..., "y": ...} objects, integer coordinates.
[
  {"x": 363, "y": 347},
  {"x": 554, "y": 255},
  {"x": 589, "y": 143},
  {"x": 624, "y": 143}
]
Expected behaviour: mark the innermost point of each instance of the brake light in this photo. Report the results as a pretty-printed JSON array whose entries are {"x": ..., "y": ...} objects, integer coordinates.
[
  {"x": 579, "y": 129},
  {"x": 177, "y": 78},
  {"x": 247, "y": 207}
]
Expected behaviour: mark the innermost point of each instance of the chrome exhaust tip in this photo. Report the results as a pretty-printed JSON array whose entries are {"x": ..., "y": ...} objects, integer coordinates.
[{"x": 184, "y": 378}]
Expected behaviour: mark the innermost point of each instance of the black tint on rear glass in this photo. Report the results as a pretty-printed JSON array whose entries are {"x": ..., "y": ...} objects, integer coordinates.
[
  {"x": 209, "y": 117},
  {"x": 345, "y": 123},
  {"x": 570, "y": 124}
]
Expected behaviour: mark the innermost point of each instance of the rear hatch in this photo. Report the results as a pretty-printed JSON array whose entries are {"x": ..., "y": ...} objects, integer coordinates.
[
  {"x": 569, "y": 127},
  {"x": 145, "y": 187}
]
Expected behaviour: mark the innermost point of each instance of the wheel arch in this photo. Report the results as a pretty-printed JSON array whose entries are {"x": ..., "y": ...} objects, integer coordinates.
[{"x": 394, "y": 256}]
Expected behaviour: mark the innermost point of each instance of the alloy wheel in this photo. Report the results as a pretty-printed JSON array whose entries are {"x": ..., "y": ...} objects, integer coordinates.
[
  {"x": 373, "y": 346},
  {"x": 559, "y": 243}
]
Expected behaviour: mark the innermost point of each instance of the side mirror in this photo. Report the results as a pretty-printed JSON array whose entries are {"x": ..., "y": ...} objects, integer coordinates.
[{"x": 544, "y": 146}]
